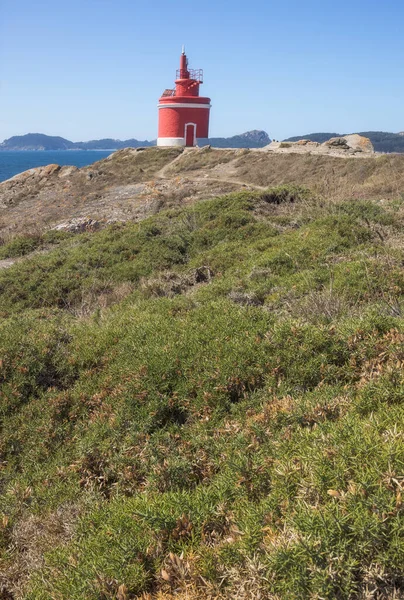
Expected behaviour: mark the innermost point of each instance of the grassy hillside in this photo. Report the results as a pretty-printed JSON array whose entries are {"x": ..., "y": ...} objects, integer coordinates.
[{"x": 206, "y": 404}]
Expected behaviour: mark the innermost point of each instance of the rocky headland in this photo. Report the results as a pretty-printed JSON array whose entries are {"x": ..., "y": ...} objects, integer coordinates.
[{"x": 134, "y": 183}]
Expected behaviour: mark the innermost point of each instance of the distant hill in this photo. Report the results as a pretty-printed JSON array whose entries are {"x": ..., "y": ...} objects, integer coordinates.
[
  {"x": 36, "y": 141},
  {"x": 111, "y": 144},
  {"x": 382, "y": 141},
  {"x": 39, "y": 141},
  {"x": 314, "y": 137},
  {"x": 250, "y": 139}
]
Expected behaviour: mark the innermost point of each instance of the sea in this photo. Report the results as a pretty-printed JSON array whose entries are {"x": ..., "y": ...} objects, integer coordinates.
[{"x": 12, "y": 163}]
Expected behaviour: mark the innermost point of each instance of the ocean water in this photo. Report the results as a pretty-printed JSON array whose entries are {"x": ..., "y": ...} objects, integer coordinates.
[{"x": 12, "y": 163}]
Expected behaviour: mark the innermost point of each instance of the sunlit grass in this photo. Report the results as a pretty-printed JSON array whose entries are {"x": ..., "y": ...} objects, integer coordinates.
[{"x": 207, "y": 403}]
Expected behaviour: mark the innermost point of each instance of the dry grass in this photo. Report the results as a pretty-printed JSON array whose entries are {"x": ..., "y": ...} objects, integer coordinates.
[
  {"x": 134, "y": 165},
  {"x": 333, "y": 177},
  {"x": 245, "y": 582},
  {"x": 170, "y": 284},
  {"x": 319, "y": 306},
  {"x": 96, "y": 298},
  {"x": 204, "y": 158},
  {"x": 30, "y": 539},
  {"x": 181, "y": 191},
  {"x": 180, "y": 581}
]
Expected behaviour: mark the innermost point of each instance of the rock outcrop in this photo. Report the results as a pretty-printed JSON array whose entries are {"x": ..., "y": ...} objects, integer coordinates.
[
  {"x": 351, "y": 143},
  {"x": 27, "y": 183},
  {"x": 347, "y": 145},
  {"x": 128, "y": 185},
  {"x": 78, "y": 225}
]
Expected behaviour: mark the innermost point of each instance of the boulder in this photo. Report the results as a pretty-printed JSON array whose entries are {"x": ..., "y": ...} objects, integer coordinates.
[
  {"x": 78, "y": 225},
  {"x": 359, "y": 143},
  {"x": 350, "y": 143},
  {"x": 337, "y": 143}
]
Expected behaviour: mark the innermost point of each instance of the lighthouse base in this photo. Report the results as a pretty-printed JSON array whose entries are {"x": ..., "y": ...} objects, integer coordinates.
[
  {"x": 171, "y": 142},
  {"x": 180, "y": 142}
]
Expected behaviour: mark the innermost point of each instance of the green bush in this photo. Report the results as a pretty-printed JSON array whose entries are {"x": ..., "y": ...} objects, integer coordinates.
[
  {"x": 243, "y": 430},
  {"x": 20, "y": 246}
]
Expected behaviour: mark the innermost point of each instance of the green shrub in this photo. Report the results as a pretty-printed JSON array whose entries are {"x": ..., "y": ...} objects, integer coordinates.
[
  {"x": 235, "y": 430},
  {"x": 20, "y": 245}
]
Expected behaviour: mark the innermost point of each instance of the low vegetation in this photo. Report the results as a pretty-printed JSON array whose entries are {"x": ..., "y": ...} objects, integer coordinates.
[
  {"x": 21, "y": 245},
  {"x": 204, "y": 158},
  {"x": 207, "y": 404}
]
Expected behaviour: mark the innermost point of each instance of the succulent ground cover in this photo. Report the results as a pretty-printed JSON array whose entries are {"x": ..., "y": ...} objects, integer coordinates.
[{"x": 206, "y": 404}]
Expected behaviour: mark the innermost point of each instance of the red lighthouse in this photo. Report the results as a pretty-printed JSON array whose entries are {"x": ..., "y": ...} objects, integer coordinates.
[{"x": 183, "y": 113}]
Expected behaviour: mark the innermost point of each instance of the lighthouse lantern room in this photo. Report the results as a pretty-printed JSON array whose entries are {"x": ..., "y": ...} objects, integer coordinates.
[{"x": 183, "y": 113}]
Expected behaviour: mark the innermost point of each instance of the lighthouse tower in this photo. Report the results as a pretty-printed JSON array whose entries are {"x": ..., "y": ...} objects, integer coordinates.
[{"x": 183, "y": 113}]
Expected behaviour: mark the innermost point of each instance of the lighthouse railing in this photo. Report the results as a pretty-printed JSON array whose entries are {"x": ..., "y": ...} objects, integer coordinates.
[{"x": 196, "y": 74}]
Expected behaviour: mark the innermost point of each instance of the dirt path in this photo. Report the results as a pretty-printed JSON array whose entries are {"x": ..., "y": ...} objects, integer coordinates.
[
  {"x": 162, "y": 174},
  {"x": 235, "y": 182},
  {"x": 7, "y": 263}
]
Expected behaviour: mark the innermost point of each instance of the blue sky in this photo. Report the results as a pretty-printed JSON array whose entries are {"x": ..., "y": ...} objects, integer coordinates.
[{"x": 86, "y": 69}]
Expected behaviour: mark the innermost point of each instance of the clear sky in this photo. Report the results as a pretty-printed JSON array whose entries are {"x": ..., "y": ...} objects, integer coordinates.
[{"x": 87, "y": 69}]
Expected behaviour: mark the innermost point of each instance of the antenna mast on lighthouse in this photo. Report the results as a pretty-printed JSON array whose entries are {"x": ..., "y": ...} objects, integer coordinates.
[{"x": 183, "y": 113}]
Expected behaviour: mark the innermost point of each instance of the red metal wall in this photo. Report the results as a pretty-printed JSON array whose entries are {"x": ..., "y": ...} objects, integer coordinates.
[{"x": 172, "y": 121}]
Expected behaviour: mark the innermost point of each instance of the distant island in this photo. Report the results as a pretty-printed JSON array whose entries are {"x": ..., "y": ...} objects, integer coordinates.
[
  {"x": 40, "y": 141},
  {"x": 382, "y": 141}
]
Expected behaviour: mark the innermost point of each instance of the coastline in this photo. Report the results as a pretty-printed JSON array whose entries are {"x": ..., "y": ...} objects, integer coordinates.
[{"x": 13, "y": 162}]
